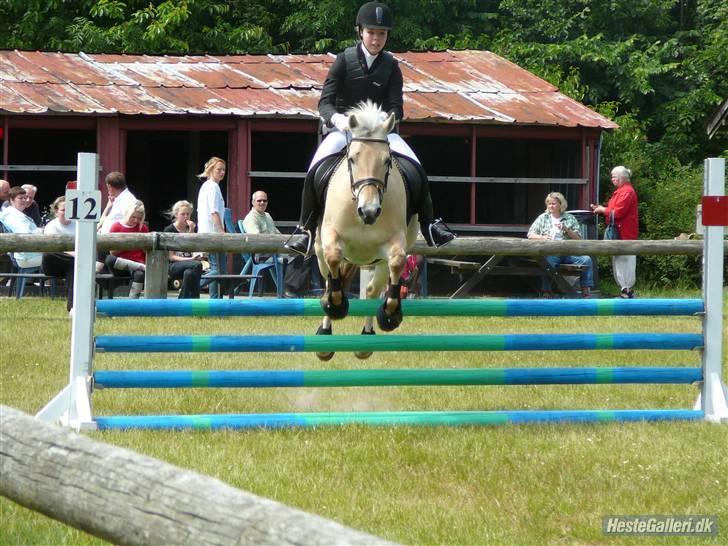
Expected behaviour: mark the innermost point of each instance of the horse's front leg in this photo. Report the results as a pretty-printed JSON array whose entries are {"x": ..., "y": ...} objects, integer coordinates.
[
  {"x": 334, "y": 301},
  {"x": 389, "y": 315}
]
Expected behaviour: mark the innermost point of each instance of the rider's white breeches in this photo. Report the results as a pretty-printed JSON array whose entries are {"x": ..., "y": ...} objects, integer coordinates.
[{"x": 335, "y": 141}]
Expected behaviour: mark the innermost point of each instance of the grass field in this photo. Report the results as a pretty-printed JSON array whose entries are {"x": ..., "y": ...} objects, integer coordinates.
[{"x": 490, "y": 485}]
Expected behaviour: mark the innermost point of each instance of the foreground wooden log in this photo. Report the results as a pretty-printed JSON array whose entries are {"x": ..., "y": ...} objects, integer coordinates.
[
  {"x": 257, "y": 243},
  {"x": 128, "y": 498}
]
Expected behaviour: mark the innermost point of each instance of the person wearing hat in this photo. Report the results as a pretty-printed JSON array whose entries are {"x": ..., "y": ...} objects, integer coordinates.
[{"x": 363, "y": 72}]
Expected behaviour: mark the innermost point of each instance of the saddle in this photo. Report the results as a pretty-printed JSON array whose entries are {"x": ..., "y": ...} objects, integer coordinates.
[{"x": 413, "y": 174}]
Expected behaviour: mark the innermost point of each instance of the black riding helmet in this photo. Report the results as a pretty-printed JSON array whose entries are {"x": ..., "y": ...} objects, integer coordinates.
[{"x": 374, "y": 15}]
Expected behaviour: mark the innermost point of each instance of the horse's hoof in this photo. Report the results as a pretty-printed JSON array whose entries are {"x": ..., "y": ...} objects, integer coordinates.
[
  {"x": 361, "y": 355},
  {"x": 389, "y": 322},
  {"x": 324, "y": 332},
  {"x": 335, "y": 312}
]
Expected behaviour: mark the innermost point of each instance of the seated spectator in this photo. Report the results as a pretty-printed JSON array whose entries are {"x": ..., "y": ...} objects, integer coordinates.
[
  {"x": 302, "y": 275},
  {"x": 4, "y": 194},
  {"x": 119, "y": 201},
  {"x": 15, "y": 221},
  {"x": 258, "y": 220},
  {"x": 32, "y": 210},
  {"x": 131, "y": 263},
  {"x": 60, "y": 264},
  {"x": 411, "y": 287},
  {"x": 555, "y": 224},
  {"x": 184, "y": 266}
]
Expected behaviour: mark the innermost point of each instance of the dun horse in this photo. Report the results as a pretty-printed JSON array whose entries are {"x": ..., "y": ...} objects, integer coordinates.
[{"x": 365, "y": 223}]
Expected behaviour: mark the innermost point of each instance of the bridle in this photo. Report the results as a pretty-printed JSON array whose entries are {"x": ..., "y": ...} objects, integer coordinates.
[{"x": 358, "y": 185}]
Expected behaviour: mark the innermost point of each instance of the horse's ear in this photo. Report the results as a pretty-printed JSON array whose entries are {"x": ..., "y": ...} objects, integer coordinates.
[
  {"x": 353, "y": 121},
  {"x": 389, "y": 123}
]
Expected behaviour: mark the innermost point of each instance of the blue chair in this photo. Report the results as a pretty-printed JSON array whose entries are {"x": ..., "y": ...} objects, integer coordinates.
[{"x": 272, "y": 265}]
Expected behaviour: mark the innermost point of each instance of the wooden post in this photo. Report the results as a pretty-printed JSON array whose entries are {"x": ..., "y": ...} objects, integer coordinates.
[
  {"x": 155, "y": 277},
  {"x": 128, "y": 498}
]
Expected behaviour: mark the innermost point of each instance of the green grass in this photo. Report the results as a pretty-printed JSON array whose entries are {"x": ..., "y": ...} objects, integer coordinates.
[{"x": 491, "y": 485}]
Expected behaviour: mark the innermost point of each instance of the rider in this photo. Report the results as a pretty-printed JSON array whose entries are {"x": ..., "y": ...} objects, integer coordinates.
[{"x": 362, "y": 72}]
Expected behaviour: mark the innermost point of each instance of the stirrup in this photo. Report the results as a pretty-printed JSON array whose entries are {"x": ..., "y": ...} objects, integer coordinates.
[
  {"x": 302, "y": 245},
  {"x": 439, "y": 236}
]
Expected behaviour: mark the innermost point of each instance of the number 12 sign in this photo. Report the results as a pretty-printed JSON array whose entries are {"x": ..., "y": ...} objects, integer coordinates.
[{"x": 83, "y": 205}]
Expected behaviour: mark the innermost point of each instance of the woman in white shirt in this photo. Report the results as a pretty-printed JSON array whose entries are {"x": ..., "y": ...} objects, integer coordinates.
[
  {"x": 60, "y": 264},
  {"x": 15, "y": 221},
  {"x": 210, "y": 211}
]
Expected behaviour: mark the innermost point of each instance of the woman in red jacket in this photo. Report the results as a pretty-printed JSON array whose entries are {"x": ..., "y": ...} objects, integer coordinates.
[
  {"x": 130, "y": 262},
  {"x": 623, "y": 204}
]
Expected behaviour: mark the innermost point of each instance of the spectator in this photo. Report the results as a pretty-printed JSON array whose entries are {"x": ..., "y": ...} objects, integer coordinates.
[
  {"x": 258, "y": 220},
  {"x": 210, "y": 211},
  {"x": 556, "y": 224},
  {"x": 184, "y": 266},
  {"x": 411, "y": 285},
  {"x": 60, "y": 264},
  {"x": 119, "y": 201},
  {"x": 16, "y": 221},
  {"x": 302, "y": 274},
  {"x": 364, "y": 72},
  {"x": 623, "y": 204},
  {"x": 4, "y": 193},
  {"x": 127, "y": 263},
  {"x": 32, "y": 210}
]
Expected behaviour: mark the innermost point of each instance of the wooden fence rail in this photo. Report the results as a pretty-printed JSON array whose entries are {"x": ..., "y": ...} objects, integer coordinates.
[
  {"x": 476, "y": 246},
  {"x": 128, "y": 498}
]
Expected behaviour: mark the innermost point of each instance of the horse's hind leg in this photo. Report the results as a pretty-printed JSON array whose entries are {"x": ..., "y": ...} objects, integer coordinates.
[
  {"x": 371, "y": 291},
  {"x": 325, "y": 330}
]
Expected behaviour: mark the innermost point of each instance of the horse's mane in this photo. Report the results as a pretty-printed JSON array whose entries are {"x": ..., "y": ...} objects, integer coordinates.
[{"x": 369, "y": 117}]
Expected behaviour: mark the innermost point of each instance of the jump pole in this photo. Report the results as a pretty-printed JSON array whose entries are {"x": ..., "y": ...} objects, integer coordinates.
[
  {"x": 354, "y": 343},
  {"x": 180, "y": 379},
  {"x": 413, "y": 308},
  {"x": 72, "y": 406}
]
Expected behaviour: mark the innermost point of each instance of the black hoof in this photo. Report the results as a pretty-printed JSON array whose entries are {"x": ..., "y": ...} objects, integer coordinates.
[
  {"x": 324, "y": 332},
  {"x": 335, "y": 312},
  {"x": 389, "y": 322}
]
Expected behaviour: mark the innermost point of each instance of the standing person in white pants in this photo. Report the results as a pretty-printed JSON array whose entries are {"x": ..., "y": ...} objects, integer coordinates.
[{"x": 623, "y": 204}]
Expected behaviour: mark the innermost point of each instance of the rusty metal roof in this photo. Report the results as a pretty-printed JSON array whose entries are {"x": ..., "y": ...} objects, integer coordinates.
[{"x": 448, "y": 86}]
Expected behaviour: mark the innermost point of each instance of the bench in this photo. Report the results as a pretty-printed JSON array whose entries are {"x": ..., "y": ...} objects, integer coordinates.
[
  {"x": 230, "y": 283},
  {"x": 19, "y": 287},
  {"x": 109, "y": 282},
  {"x": 563, "y": 275}
]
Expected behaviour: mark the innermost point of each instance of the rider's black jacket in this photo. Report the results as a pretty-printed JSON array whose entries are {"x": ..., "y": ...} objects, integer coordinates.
[{"x": 350, "y": 82}]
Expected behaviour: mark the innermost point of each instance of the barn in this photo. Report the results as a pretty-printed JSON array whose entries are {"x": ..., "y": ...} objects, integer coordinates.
[{"x": 493, "y": 137}]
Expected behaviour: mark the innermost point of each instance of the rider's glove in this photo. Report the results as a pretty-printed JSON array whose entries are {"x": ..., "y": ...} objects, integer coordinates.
[{"x": 340, "y": 121}]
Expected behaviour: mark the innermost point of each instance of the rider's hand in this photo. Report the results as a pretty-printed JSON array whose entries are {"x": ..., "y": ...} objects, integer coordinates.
[{"x": 340, "y": 121}]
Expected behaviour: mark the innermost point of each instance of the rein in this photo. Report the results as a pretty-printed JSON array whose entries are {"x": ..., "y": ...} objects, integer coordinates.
[{"x": 358, "y": 185}]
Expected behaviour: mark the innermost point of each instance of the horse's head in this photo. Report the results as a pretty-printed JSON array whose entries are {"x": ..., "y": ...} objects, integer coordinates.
[{"x": 369, "y": 158}]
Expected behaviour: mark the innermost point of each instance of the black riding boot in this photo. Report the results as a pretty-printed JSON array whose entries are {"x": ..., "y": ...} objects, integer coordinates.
[
  {"x": 436, "y": 233},
  {"x": 309, "y": 217}
]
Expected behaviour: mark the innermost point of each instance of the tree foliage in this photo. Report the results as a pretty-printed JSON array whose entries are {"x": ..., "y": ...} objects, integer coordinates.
[{"x": 658, "y": 67}]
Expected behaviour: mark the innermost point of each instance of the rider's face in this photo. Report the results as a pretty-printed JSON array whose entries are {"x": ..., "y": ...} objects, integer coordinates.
[{"x": 374, "y": 39}]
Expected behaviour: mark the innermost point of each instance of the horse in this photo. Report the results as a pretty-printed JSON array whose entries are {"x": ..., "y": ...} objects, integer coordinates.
[{"x": 365, "y": 223}]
